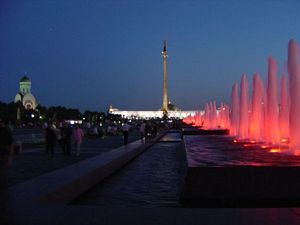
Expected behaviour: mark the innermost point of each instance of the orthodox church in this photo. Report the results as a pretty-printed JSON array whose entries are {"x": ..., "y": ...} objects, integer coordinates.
[{"x": 24, "y": 95}]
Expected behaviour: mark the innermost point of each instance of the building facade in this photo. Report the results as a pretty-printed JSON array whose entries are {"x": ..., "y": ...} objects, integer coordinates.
[{"x": 24, "y": 95}]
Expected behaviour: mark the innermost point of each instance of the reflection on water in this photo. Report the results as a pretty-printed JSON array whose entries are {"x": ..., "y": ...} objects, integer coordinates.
[
  {"x": 154, "y": 179},
  {"x": 218, "y": 150}
]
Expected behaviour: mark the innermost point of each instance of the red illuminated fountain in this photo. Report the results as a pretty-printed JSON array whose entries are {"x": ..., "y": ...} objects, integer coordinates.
[
  {"x": 258, "y": 164},
  {"x": 256, "y": 128},
  {"x": 269, "y": 118},
  {"x": 234, "y": 116},
  {"x": 294, "y": 82}
]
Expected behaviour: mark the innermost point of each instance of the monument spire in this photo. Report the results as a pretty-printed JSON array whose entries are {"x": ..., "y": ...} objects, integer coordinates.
[{"x": 165, "y": 96}]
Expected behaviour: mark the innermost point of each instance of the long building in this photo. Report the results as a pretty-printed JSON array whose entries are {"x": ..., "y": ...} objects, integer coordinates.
[{"x": 153, "y": 114}]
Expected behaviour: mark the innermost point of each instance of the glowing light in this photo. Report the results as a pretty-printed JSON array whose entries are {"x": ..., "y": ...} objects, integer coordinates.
[
  {"x": 264, "y": 146},
  {"x": 235, "y": 141},
  {"x": 284, "y": 140},
  {"x": 32, "y": 115},
  {"x": 275, "y": 150},
  {"x": 252, "y": 141},
  {"x": 246, "y": 145},
  {"x": 297, "y": 152}
]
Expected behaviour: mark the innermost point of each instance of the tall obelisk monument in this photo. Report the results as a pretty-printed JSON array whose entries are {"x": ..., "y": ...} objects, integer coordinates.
[{"x": 165, "y": 95}]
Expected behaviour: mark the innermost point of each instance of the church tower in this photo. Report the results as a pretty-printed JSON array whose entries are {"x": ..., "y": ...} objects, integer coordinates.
[
  {"x": 24, "y": 95},
  {"x": 165, "y": 95},
  {"x": 25, "y": 85}
]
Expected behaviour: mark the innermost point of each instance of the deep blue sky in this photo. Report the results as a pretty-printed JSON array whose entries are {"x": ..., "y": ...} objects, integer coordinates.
[{"x": 90, "y": 54}]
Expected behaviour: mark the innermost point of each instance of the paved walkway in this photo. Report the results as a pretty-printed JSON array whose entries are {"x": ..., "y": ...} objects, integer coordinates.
[{"x": 33, "y": 161}]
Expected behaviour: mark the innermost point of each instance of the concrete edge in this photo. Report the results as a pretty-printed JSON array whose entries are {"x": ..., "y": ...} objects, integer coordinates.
[{"x": 70, "y": 187}]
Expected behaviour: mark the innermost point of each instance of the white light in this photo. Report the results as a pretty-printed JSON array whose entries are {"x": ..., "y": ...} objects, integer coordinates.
[
  {"x": 83, "y": 118},
  {"x": 41, "y": 117},
  {"x": 32, "y": 115},
  {"x": 72, "y": 122}
]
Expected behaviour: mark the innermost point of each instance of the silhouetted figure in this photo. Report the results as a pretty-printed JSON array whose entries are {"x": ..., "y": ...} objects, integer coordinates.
[
  {"x": 154, "y": 130},
  {"x": 125, "y": 129},
  {"x": 78, "y": 137},
  {"x": 147, "y": 130},
  {"x": 6, "y": 141},
  {"x": 142, "y": 130},
  {"x": 58, "y": 135},
  {"x": 50, "y": 139},
  {"x": 66, "y": 135}
]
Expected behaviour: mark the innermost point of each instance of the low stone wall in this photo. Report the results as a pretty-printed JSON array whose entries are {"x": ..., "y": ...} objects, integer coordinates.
[
  {"x": 241, "y": 187},
  {"x": 64, "y": 185}
]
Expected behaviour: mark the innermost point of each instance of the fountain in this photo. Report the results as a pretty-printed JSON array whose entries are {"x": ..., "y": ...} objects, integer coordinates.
[
  {"x": 284, "y": 110},
  {"x": 256, "y": 130},
  {"x": 244, "y": 109},
  {"x": 234, "y": 117},
  {"x": 257, "y": 165},
  {"x": 272, "y": 133},
  {"x": 294, "y": 82},
  {"x": 266, "y": 120}
]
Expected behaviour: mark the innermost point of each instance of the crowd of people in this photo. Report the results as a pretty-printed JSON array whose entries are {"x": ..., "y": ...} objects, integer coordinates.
[
  {"x": 62, "y": 134},
  {"x": 147, "y": 130},
  {"x": 63, "y": 137}
]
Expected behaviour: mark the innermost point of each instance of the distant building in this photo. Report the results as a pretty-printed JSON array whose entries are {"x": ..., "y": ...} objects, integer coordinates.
[
  {"x": 111, "y": 109},
  {"x": 172, "y": 107},
  {"x": 24, "y": 95},
  {"x": 167, "y": 109},
  {"x": 154, "y": 114}
]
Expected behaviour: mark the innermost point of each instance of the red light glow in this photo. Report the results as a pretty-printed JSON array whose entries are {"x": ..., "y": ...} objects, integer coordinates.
[
  {"x": 275, "y": 150},
  {"x": 297, "y": 152},
  {"x": 264, "y": 146}
]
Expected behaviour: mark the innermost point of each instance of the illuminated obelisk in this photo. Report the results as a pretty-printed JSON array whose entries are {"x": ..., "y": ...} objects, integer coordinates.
[{"x": 165, "y": 95}]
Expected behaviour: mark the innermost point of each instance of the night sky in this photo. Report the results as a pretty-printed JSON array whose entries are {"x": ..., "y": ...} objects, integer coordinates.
[{"x": 90, "y": 54}]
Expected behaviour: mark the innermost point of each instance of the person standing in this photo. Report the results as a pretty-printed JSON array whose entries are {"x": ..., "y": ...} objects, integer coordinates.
[
  {"x": 147, "y": 130},
  {"x": 78, "y": 136},
  {"x": 6, "y": 151},
  {"x": 6, "y": 141},
  {"x": 50, "y": 139},
  {"x": 66, "y": 133},
  {"x": 142, "y": 130},
  {"x": 125, "y": 129}
]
